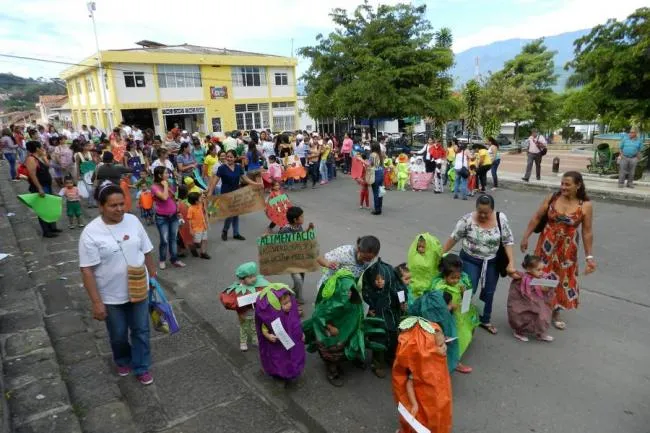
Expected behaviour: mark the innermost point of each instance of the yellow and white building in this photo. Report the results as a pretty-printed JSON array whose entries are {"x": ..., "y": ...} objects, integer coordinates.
[{"x": 199, "y": 88}]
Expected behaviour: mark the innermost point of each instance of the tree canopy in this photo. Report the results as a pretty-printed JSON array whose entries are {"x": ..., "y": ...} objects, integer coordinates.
[
  {"x": 612, "y": 65},
  {"x": 384, "y": 62}
]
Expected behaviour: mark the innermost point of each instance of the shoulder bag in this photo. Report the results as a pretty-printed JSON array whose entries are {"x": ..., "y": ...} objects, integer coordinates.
[
  {"x": 542, "y": 222},
  {"x": 502, "y": 261},
  {"x": 137, "y": 283}
]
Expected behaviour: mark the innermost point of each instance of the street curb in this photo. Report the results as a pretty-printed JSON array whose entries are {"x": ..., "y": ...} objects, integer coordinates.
[
  {"x": 238, "y": 362},
  {"x": 618, "y": 197}
]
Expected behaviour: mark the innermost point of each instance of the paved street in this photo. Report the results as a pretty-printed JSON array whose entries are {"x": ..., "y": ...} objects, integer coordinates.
[{"x": 591, "y": 379}]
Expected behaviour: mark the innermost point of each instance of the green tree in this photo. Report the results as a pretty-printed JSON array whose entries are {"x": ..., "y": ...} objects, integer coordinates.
[
  {"x": 533, "y": 70},
  {"x": 379, "y": 63},
  {"x": 501, "y": 101},
  {"x": 611, "y": 65},
  {"x": 471, "y": 96}
]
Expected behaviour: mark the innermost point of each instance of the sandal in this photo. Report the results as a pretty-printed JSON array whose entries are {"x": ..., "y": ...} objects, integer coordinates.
[
  {"x": 520, "y": 337},
  {"x": 462, "y": 368},
  {"x": 489, "y": 328},
  {"x": 559, "y": 325}
]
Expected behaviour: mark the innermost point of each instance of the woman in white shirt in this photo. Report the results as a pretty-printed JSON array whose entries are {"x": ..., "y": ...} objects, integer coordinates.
[
  {"x": 108, "y": 245},
  {"x": 461, "y": 166}
]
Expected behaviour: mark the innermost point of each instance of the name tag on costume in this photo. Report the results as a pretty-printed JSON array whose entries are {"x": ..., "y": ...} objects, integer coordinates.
[
  {"x": 401, "y": 297},
  {"x": 282, "y": 335},
  {"x": 245, "y": 300},
  {"x": 410, "y": 419},
  {"x": 544, "y": 282},
  {"x": 467, "y": 300}
]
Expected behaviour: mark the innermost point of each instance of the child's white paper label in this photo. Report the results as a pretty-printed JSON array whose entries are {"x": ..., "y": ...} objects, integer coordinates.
[
  {"x": 467, "y": 300},
  {"x": 450, "y": 339},
  {"x": 366, "y": 308},
  {"x": 410, "y": 419},
  {"x": 544, "y": 282},
  {"x": 282, "y": 335},
  {"x": 245, "y": 300},
  {"x": 401, "y": 296}
]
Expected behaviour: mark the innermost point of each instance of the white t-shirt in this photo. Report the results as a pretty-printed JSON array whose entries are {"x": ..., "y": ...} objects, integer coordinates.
[
  {"x": 99, "y": 247},
  {"x": 137, "y": 135},
  {"x": 168, "y": 164}
]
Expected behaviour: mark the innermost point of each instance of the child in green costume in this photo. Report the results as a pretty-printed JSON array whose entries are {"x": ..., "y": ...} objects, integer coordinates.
[
  {"x": 402, "y": 172},
  {"x": 423, "y": 259},
  {"x": 455, "y": 282}
]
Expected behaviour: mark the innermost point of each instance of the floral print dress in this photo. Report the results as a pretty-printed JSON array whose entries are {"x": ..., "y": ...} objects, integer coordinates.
[{"x": 557, "y": 246}]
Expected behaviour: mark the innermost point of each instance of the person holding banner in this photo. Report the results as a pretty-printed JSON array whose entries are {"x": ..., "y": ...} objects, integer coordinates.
[
  {"x": 40, "y": 181},
  {"x": 231, "y": 175}
]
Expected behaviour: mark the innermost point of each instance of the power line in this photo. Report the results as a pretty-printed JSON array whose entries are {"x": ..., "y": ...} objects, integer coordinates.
[{"x": 112, "y": 68}]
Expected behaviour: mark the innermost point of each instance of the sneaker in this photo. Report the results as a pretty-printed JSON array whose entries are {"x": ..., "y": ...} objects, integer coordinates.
[
  {"x": 81, "y": 225},
  {"x": 520, "y": 337},
  {"x": 239, "y": 237},
  {"x": 243, "y": 347},
  {"x": 71, "y": 226},
  {"x": 545, "y": 337},
  {"x": 205, "y": 256},
  {"x": 178, "y": 264},
  {"x": 629, "y": 185},
  {"x": 524, "y": 179},
  {"x": 194, "y": 252},
  {"x": 123, "y": 371},
  {"x": 455, "y": 196},
  {"x": 162, "y": 265},
  {"x": 50, "y": 235},
  {"x": 322, "y": 182},
  {"x": 57, "y": 231},
  {"x": 224, "y": 236},
  {"x": 495, "y": 188},
  {"x": 145, "y": 378}
]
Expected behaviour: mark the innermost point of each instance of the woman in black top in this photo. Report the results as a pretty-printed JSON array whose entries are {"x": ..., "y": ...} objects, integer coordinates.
[{"x": 40, "y": 180}]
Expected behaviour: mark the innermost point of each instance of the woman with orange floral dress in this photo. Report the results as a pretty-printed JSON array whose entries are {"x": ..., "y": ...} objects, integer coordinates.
[{"x": 557, "y": 245}]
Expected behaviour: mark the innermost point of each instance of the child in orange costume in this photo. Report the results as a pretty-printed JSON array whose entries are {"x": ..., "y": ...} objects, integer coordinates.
[
  {"x": 125, "y": 185},
  {"x": 421, "y": 381}
]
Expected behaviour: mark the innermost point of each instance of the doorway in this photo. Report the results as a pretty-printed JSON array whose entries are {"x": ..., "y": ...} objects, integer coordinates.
[
  {"x": 144, "y": 118},
  {"x": 188, "y": 122}
]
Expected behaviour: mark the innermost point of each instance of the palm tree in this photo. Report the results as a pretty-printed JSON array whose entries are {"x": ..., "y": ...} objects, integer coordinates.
[{"x": 444, "y": 39}]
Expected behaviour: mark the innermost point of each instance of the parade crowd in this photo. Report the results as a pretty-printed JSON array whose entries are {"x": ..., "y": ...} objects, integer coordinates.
[{"x": 416, "y": 319}]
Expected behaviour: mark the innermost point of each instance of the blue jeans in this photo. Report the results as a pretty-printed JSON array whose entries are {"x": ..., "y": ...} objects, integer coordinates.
[
  {"x": 495, "y": 167},
  {"x": 472, "y": 267},
  {"x": 130, "y": 320},
  {"x": 460, "y": 184},
  {"x": 168, "y": 230},
  {"x": 379, "y": 181},
  {"x": 331, "y": 170},
  {"x": 235, "y": 225},
  {"x": 11, "y": 159},
  {"x": 323, "y": 171}
]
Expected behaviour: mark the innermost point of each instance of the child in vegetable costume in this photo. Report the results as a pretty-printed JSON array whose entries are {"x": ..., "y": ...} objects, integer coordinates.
[
  {"x": 276, "y": 206},
  {"x": 402, "y": 172},
  {"x": 388, "y": 173},
  {"x": 421, "y": 382},
  {"x": 248, "y": 282},
  {"x": 380, "y": 289},
  {"x": 455, "y": 282},
  {"x": 278, "y": 302},
  {"x": 423, "y": 259},
  {"x": 337, "y": 328}
]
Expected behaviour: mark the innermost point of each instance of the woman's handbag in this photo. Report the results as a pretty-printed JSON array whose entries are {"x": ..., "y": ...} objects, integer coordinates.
[
  {"x": 464, "y": 172},
  {"x": 137, "y": 283},
  {"x": 161, "y": 311},
  {"x": 501, "y": 260},
  {"x": 370, "y": 175},
  {"x": 542, "y": 222}
]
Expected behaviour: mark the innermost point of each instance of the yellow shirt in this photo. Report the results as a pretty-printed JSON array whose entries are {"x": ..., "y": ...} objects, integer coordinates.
[
  {"x": 484, "y": 157},
  {"x": 451, "y": 154},
  {"x": 209, "y": 163}
]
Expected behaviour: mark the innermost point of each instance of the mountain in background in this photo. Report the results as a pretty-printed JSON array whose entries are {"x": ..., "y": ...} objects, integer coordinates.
[
  {"x": 493, "y": 56},
  {"x": 21, "y": 94}
]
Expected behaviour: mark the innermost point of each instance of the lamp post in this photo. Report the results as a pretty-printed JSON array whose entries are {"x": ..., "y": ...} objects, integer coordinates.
[{"x": 100, "y": 69}]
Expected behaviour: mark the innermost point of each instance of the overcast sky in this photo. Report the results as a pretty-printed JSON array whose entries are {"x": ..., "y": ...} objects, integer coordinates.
[{"x": 60, "y": 30}]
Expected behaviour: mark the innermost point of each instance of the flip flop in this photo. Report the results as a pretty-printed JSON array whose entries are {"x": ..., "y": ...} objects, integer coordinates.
[
  {"x": 559, "y": 325},
  {"x": 489, "y": 328},
  {"x": 463, "y": 369}
]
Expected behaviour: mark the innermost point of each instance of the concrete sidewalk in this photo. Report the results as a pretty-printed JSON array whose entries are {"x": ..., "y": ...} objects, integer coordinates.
[{"x": 58, "y": 375}]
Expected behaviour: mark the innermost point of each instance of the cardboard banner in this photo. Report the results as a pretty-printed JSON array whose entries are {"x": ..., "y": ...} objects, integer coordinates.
[
  {"x": 288, "y": 253},
  {"x": 357, "y": 168},
  {"x": 239, "y": 202},
  {"x": 48, "y": 208}
]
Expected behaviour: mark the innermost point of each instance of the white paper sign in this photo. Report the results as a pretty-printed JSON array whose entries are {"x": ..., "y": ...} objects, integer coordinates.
[
  {"x": 410, "y": 419},
  {"x": 242, "y": 301},
  {"x": 401, "y": 296},
  {"x": 450, "y": 339},
  {"x": 366, "y": 308},
  {"x": 467, "y": 300},
  {"x": 544, "y": 282},
  {"x": 4, "y": 256},
  {"x": 282, "y": 335}
]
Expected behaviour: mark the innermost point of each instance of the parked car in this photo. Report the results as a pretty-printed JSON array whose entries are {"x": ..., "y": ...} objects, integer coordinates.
[
  {"x": 502, "y": 140},
  {"x": 473, "y": 138}
]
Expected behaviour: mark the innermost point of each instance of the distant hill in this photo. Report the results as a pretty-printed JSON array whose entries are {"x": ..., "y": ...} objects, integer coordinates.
[
  {"x": 20, "y": 94},
  {"x": 493, "y": 56}
]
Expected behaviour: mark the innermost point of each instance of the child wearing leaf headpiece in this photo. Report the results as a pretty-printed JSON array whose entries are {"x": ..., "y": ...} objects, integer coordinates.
[
  {"x": 283, "y": 359},
  {"x": 249, "y": 282},
  {"x": 421, "y": 382}
]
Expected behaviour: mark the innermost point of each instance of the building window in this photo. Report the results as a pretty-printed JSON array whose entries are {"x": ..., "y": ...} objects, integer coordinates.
[
  {"x": 287, "y": 104},
  {"x": 216, "y": 124},
  {"x": 78, "y": 85},
  {"x": 252, "y": 116},
  {"x": 89, "y": 85},
  {"x": 284, "y": 122},
  {"x": 134, "y": 79},
  {"x": 281, "y": 79},
  {"x": 247, "y": 76},
  {"x": 179, "y": 76}
]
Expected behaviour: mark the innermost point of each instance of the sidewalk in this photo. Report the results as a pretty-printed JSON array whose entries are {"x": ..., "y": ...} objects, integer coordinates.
[{"x": 57, "y": 370}]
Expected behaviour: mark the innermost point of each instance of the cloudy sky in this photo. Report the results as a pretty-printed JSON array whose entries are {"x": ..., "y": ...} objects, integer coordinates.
[{"x": 60, "y": 30}]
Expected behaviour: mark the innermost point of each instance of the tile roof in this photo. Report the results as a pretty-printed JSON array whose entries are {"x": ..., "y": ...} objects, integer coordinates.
[{"x": 52, "y": 100}]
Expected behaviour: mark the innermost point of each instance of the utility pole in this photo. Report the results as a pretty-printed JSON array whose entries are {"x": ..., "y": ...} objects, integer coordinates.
[{"x": 100, "y": 69}]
